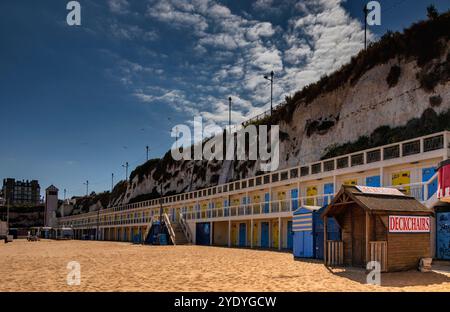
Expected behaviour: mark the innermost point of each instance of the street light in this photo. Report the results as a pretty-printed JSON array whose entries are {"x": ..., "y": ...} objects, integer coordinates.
[
  {"x": 366, "y": 12},
  {"x": 271, "y": 90},
  {"x": 229, "y": 112},
  {"x": 126, "y": 170}
]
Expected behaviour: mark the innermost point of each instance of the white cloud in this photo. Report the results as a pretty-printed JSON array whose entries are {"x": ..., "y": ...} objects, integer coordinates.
[
  {"x": 260, "y": 30},
  {"x": 119, "y": 6},
  {"x": 132, "y": 32},
  {"x": 237, "y": 50},
  {"x": 178, "y": 14}
]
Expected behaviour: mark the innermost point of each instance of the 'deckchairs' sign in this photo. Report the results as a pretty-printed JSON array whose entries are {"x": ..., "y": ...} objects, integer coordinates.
[{"x": 409, "y": 224}]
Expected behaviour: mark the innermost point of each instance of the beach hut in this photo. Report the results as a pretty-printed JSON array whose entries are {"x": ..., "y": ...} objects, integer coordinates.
[
  {"x": 308, "y": 234},
  {"x": 378, "y": 224},
  {"x": 302, "y": 227}
]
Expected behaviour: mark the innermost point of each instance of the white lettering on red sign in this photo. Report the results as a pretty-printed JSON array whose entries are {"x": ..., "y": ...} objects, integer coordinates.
[{"x": 409, "y": 224}]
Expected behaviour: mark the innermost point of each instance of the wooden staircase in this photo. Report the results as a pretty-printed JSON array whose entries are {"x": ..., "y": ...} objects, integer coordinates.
[
  {"x": 180, "y": 238},
  {"x": 176, "y": 232}
]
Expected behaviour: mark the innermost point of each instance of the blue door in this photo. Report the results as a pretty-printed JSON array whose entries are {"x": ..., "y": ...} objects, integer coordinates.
[
  {"x": 373, "y": 181},
  {"x": 427, "y": 174},
  {"x": 265, "y": 234},
  {"x": 203, "y": 233},
  {"x": 294, "y": 198},
  {"x": 266, "y": 202},
  {"x": 225, "y": 206},
  {"x": 242, "y": 235},
  {"x": 289, "y": 235},
  {"x": 303, "y": 247},
  {"x": 443, "y": 235},
  {"x": 328, "y": 189}
]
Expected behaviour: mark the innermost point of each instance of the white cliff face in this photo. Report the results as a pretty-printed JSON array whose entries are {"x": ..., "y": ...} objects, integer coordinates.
[{"x": 349, "y": 112}]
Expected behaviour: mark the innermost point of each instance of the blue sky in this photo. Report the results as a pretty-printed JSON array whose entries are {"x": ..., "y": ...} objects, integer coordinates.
[{"x": 77, "y": 102}]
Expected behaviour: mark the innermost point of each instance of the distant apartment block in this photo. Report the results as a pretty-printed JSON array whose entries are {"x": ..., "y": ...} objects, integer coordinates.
[{"x": 19, "y": 193}]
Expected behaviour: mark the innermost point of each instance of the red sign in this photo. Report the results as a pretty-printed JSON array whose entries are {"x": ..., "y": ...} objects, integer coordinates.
[
  {"x": 443, "y": 193},
  {"x": 409, "y": 224}
]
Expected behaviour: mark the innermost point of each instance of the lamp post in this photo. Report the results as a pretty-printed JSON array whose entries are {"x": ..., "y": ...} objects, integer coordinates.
[
  {"x": 366, "y": 12},
  {"x": 146, "y": 148},
  {"x": 229, "y": 112},
  {"x": 87, "y": 187},
  {"x": 112, "y": 182},
  {"x": 126, "y": 170},
  {"x": 271, "y": 90}
]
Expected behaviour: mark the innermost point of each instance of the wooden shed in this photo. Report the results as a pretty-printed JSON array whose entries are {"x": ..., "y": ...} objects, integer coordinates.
[{"x": 378, "y": 224}]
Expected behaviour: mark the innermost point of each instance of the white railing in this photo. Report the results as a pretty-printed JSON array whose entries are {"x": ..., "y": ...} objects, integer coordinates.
[
  {"x": 271, "y": 207},
  {"x": 428, "y": 143},
  {"x": 169, "y": 228},
  {"x": 421, "y": 191}
]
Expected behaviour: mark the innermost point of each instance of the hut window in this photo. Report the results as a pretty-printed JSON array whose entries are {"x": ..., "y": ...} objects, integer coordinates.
[
  {"x": 316, "y": 168},
  {"x": 411, "y": 148},
  {"x": 373, "y": 156},
  {"x": 391, "y": 152},
  {"x": 294, "y": 173},
  {"x": 304, "y": 171},
  {"x": 357, "y": 159},
  {"x": 328, "y": 165},
  {"x": 433, "y": 143},
  {"x": 275, "y": 177}
]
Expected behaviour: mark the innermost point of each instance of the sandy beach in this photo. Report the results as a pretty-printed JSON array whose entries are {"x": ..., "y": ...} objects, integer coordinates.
[{"x": 111, "y": 266}]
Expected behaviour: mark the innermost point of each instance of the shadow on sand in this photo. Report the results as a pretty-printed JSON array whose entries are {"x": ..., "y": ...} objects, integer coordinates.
[{"x": 395, "y": 279}]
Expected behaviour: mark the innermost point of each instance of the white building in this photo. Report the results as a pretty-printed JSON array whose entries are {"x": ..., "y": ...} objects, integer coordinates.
[{"x": 51, "y": 204}]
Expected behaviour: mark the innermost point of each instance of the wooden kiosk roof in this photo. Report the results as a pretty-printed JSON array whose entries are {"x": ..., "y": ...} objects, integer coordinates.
[{"x": 374, "y": 200}]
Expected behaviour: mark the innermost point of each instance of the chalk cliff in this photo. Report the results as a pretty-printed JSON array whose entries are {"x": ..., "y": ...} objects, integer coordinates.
[{"x": 398, "y": 88}]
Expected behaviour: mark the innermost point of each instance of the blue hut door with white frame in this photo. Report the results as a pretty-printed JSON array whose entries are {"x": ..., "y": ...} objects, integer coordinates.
[
  {"x": 427, "y": 174},
  {"x": 225, "y": 207},
  {"x": 294, "y": 199},
  {"x": 266, "y": 202},
  {"x": 328, "y": 189}
]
